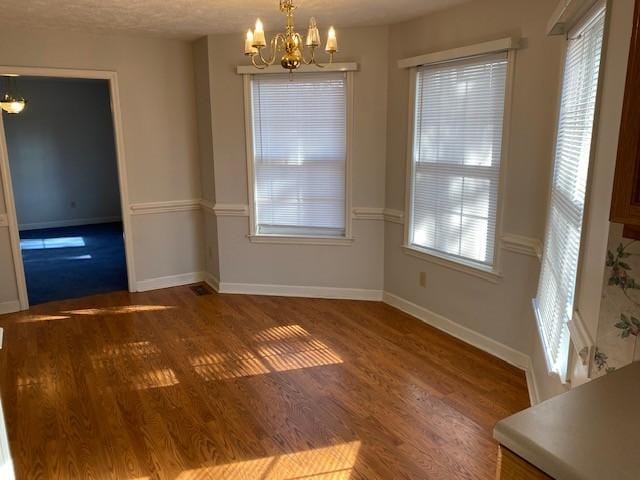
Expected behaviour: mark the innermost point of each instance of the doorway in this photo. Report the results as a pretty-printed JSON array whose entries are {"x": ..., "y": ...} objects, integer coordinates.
[{"x": 63, "y": 166}]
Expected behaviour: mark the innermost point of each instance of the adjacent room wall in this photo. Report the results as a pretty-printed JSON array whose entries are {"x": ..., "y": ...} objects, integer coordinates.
[
  {"x": 62, "y": 154},
  {"x": 157, "y": 97},
  {"x": 499, "y": 311},
  {"x": 358, "y": 266}
]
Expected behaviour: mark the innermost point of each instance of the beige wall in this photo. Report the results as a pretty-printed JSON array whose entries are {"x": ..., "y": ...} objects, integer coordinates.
[
  {"x": 499, "y": 311},
  {"x": 203, "y": 77},
  {"x": 356, "y": 266},
  {"x": 156, "y": 79}
]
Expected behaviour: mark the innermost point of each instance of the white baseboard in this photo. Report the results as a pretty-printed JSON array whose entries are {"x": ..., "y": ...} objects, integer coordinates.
[
  {"x": 497, "y": 349},
  {"x": 493, "y": 347},
  {"x": 532, "y": 384},
  {"x": 68, "y": 223},
  {"x": 212, "y": 281},
  {"x": 169, "y": 281},
  {"x": 9, "y": 307},
  {"x": 301, "y": 291}
]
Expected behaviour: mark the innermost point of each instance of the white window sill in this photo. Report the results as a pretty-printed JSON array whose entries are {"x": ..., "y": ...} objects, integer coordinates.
[
  {"x": 458, "y": 265},
  {"x": 559, "y": 372},
  {"x": 301, "y": 240}
]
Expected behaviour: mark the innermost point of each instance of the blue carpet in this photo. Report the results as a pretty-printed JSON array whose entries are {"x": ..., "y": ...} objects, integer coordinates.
[{"x": 71, "y": 262}]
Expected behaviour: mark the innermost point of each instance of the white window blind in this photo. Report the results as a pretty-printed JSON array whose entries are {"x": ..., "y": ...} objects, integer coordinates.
[
  {"x": 554, "y": 302},
  {"x": 299, "y": 145},
  {"x": 458, "y": 123}
]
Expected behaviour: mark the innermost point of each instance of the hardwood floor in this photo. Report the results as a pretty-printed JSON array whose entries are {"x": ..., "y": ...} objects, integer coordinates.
[{"x": 168, "y": 384}]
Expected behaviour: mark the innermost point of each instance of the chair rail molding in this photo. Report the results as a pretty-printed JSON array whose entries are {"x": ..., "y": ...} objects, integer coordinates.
[
  {"x": 523, "y": 245},
  {"x": 394, "y": 216},
  {"x": 207, "y": 206},
  {"x": 151, "y": 208},
  {"x": 231, "y": 210},
  {"x": 377, "y": 213},
  {"x": 367, "y": 213}
]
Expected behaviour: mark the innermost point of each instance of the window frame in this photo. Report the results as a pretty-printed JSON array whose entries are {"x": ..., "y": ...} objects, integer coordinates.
[
  {"x": 256, "y": 237},
  {"x": 569, "y": 32},
  {"x": 492, "y": 272}
]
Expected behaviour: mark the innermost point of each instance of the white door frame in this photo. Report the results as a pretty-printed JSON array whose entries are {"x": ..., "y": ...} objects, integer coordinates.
[{"x": 7, "y": 186}]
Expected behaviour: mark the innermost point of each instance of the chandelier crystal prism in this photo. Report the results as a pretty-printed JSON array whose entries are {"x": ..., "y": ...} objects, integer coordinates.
[{"x": 295, "y": 51}]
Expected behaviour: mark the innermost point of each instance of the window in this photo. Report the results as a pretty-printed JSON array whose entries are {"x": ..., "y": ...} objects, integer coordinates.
[
  {"x": 554, "y": 302},
  {"x": 455, "y": 161},
  {"x": 299, "y": 164}
]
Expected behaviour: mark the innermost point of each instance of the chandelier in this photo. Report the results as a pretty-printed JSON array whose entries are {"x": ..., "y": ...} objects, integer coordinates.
[
  {"x": 11, "y": 102},
  {"x": 289, "y": 43}
]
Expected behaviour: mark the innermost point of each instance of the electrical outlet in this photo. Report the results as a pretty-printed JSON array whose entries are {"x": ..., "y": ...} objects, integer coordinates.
[{"x": 423, "y": 279}]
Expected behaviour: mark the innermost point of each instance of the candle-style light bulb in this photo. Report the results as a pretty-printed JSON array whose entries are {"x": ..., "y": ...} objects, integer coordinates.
[
  {"x": 332, "y": 41},
  {"x": 313, "y": 35},
  {"x": 249, "y": 49},
  {"x": 258, "y": 35}
]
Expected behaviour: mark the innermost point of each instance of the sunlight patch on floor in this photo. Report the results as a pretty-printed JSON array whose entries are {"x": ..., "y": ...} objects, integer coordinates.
[
  {"x": 228, "y": 370},
  {"x": 48, "y": 243},
  {"x": 141, "y": 360},
  {"x": 302, "y": 359},
  {"x": 281, "y": 333},
  {"x": 157, "y": 378},
  {"x": 40, "y": 318},
  {"x": 119, "y": 310},
  {"x": 132, "y": 349},
  {"x": 278, "y": 349},
  {"x": 328, "y": 463}
]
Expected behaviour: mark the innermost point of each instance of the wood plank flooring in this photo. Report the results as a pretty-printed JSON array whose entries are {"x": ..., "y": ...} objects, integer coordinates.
[{"x": 171, "y": 385}]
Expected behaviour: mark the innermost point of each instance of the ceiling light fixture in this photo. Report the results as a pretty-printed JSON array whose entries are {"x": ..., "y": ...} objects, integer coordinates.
[
  {"x": 290, "y": 43},
  {"x": 11, "y": 102}
]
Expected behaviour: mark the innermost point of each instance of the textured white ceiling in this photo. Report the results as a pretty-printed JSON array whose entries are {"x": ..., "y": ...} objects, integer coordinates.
[{"x": 190, "y": 19}]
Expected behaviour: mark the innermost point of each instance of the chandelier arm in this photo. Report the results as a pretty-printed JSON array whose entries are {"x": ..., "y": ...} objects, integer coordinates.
[
  {"x": 320, "y": 65},
  {"x": 330, "y": 59},
  {"x": 304, "y": 58},
  {"x": 278, "y": 39},
  {"x": 274, "y": 51},
  {"x": 257, "y": 65},
  {"x": 263, "y": 60},
  {"x": 313, "y": 60}
]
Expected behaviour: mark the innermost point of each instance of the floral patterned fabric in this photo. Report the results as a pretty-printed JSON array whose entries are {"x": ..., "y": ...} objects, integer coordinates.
[{"x": 619, "y": 326}]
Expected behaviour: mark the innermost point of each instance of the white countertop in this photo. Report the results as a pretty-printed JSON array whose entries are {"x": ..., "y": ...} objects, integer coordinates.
[{"x": 589, "y": 433}]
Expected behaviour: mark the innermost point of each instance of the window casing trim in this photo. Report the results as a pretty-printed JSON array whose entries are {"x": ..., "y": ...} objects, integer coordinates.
[
  {"x": 257, "y": 237},
  {"x": 572, "y": 30},
  {"x": 451, "y": 262},
  {"x": 487, "y": 272}
]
